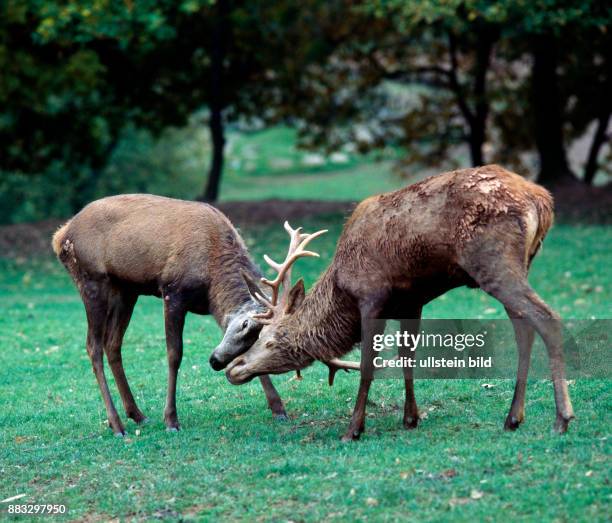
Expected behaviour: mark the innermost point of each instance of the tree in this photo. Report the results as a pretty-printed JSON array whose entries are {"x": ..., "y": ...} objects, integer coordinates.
[
  {"x": 465, "y": 65},
  {"x": 554, "y": 34},
  {"x": 77, "y": 73},
  {"x": 217, "y": 103}
]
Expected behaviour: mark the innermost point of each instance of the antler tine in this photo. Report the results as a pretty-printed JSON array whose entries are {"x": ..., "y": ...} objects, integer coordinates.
[
  {"x": 306, "y": 239},
  {"x": 297, "y": 243},
  {"x": 263, "y": 300},
  {"x": 264, "y": 318},
  {"x": 296, "y": 236},
  {"x": 335, "y": 364},
  {"x": 296, "y": 250},
  {"x": 280, "y": 268}
]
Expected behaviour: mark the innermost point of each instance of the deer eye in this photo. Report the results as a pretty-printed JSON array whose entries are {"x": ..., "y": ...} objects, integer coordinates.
[
  {"x": 244, "y": 324},
  {"x": 269, "y": 344}
]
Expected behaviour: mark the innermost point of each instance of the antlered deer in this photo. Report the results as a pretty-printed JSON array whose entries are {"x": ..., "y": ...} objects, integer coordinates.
[
  {"x": 188, "y": 253},
  {"x": 477, "y": 227}
]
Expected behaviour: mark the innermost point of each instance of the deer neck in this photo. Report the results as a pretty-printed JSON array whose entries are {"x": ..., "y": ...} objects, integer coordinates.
[
  {"x": 228, "y": 294},
  {"x": 327, "y": 324}
]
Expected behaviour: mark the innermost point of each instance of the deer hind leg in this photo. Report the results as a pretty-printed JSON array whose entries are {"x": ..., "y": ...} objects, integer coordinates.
[
  {"x": 505, "y": 281},
  {"x": 95, "y": 298},
  {"x": 369, "y": 309},
  {"x": 121, "y": 306},
  {"x": 524, "y": 334},
  {"x": 411, "y": 410},
  {"x": 174, "y": 316},
  {"x": 274, "y": 401}
]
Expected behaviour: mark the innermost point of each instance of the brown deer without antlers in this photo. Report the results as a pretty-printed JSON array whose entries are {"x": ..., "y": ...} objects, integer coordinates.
[
  {"x": 477, "y": 227},
  {"x": 188, "y": 253}
]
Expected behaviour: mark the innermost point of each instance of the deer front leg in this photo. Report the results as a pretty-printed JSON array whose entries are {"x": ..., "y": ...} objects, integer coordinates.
[
  {"x": 370, "y": 310},
  {"x": 274, "y": 401},
  {"x": 411, "y": 410},
  {"x": 174, "y": 315},
  {"x": 357, "y": 424}
]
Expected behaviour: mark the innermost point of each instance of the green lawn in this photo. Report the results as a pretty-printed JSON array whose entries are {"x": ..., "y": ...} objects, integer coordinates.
[
  {"x": 231, "y": 460},
  {"x": 341, "y": 184},
  {"x": 268, "y": 164}
]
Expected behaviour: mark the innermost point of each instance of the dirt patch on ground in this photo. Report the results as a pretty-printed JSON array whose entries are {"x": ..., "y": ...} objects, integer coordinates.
[
  {"x": 24, "y": 240},
  {"x": 277, "y": 211},
  {"x": 573, "y": 202}
]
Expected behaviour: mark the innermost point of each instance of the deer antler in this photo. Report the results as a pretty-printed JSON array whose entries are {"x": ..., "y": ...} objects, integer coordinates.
[
  {"x": 297, "y": 244},
  {"x": 334, "y": 365},
  {"x": 296, "y": 251}
]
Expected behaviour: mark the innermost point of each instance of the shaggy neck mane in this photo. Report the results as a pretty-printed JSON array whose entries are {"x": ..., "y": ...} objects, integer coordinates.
[
  {"x": 327, "y": 324},
  {"x": 227, "y": 292}
]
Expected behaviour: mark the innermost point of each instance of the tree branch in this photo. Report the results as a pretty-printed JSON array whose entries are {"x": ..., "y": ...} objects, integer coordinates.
[
  {"x": 454, "y": 80},
  {"x": 408, "y": 75}
]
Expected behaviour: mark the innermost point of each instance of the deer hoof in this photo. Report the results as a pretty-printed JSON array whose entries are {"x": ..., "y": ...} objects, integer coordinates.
[
  {"x": 561, "y": 424},
  {"x": 351, "y": 435},
  {"x": 281, "y": 417},
  {"x": 138, "y": 417},
  {"x": 512, "y": 423},
  {"x": 117, "y": 428},
  {"x": 411, "y": 423},
  {"x": 172, "y": 429}
]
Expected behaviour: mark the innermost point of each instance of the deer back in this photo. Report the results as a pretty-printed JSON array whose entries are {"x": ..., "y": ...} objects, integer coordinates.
[
  {"x": 146, "y": 239},
  {"x": 423, "y": 231}
]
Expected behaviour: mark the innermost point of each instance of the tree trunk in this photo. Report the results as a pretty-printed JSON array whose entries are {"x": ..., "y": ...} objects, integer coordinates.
[
  {"x": 476, "y": 118},
  {"x": 211, "y": 192},
  {"x": 487, "y": 36},
  {"x": 476, "y": 142},
  {"x": 547, "y": 112},
  {"x": 216, "y": 102},
  {"x": 590, "y": 169}
]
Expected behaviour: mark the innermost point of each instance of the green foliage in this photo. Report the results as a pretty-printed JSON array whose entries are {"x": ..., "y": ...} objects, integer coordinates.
[
  {"x": 519, "y": 16},
  {"x": 259, "y": 164},
  {"x": 77, "y": 75},
  {"x": 231, "y": 461},
  {"x": 92, "y": 87},
  {"x": 469, "y": 62}
]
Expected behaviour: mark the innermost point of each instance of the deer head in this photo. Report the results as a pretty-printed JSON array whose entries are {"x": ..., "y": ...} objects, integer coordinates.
[
  {"x": 241, "y": 332},
  {"x": 274, "y": 351}
]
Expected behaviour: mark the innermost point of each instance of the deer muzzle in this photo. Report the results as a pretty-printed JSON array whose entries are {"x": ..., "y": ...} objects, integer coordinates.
[{"x": 237, "y": 372}]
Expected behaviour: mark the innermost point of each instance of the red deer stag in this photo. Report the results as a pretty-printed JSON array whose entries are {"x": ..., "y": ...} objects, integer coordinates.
[
  {"x": 477, "y": 227},
  {"x": 188, "y": 253}
]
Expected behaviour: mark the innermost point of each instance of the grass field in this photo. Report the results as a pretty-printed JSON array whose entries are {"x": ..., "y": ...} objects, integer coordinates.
[{"x": 232, "y": 461}]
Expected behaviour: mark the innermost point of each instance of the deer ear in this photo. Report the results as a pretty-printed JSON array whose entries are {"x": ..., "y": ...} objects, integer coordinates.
[
  {"x": 251, "y": 285},
  {"x": 296, "y": 297}
]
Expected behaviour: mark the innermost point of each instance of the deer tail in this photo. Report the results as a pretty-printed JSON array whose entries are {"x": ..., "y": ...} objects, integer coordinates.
[
  {"x": 543, "y": 205},
  {"x": 58, "y": 238}
]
